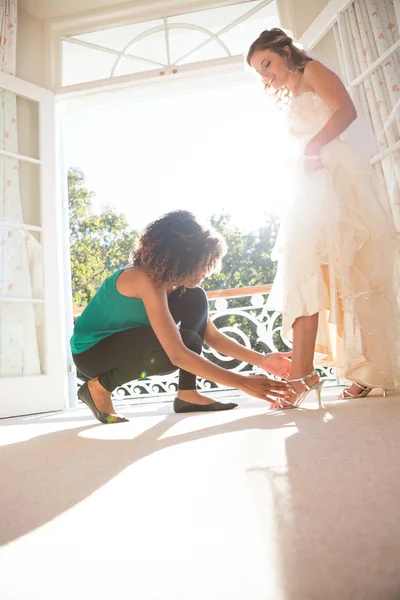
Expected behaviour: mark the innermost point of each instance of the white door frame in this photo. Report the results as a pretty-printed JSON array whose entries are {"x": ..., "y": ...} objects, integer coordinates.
[
  {"x": 47, "y": 392},
  {"x": 227, "y": 70},
  {"x": 323, "y": 22}
]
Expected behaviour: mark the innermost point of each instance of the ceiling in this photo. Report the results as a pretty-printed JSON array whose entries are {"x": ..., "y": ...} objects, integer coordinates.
[{"x": 51, "y": 9}]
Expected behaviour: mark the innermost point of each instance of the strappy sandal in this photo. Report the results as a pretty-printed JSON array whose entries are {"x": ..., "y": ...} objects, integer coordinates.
[
  {"x": 364, "y": 391},
  {"x": 317, "y": 387}
]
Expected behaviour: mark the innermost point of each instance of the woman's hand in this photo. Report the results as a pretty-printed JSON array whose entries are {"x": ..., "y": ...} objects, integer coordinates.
[
  {"x": 263, "y": 388},
  {"x": 312, "y": 159},
  {"x": 276, "y": 363},
  {"x": 312, "y": 164}
]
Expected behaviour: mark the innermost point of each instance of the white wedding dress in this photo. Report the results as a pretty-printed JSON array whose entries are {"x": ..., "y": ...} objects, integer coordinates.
[{"x": 337, "y": 252}]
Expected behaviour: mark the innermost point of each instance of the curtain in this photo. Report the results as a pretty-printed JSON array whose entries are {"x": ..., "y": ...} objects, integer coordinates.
[
  {"x": 372, "y": 28},
  {"x": 19, "y": 352},
  {"x": 8, "y": 32}
]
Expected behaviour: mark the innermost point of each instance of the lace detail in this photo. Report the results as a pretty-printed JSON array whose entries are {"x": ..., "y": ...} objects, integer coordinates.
[{"x": 308, "y": 114}]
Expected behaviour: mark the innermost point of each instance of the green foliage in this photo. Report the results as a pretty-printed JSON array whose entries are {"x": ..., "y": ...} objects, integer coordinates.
[
  {"x": 100, "y": 243},
  {"x": 247, "y": 263},
  {"x": 248, "y": 260}
]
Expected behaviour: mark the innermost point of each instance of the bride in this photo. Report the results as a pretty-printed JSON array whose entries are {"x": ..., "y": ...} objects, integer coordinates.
[{"x": 336, "y": 282}]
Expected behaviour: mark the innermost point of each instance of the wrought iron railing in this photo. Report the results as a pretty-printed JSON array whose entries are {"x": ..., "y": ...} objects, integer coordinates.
[{"x": 240, "y": 313}]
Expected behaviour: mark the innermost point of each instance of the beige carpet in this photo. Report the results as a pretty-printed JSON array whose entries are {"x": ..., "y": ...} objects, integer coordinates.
[{"x": 242, "y": 505}]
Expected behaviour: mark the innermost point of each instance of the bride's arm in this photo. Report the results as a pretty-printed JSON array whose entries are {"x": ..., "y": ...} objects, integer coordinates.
[{"x": 329, "y": 87}]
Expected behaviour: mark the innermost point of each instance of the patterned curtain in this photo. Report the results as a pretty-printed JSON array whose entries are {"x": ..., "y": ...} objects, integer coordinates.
[
  {"x": 372, "y": 28},
  {"x": 19, "y": 353},
  {"x": 8, "y": 33}
]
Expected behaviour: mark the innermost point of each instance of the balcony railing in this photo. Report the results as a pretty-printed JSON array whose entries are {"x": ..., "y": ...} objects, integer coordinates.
[{"x": 240, "y": 313}]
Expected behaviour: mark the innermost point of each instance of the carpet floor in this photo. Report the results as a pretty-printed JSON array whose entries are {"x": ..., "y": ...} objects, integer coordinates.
[{"x": 249, "y": 504}]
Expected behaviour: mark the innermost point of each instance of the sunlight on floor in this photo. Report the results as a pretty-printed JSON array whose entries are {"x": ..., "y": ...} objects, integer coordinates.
[{"x": 247, "y": 503}]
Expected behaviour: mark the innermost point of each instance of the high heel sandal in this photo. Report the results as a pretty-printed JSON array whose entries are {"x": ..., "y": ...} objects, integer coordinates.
[
  {"x": 317, "y": 387},
  {"x": 86, "y": 397},
  {"x": 364, "y": 391}
]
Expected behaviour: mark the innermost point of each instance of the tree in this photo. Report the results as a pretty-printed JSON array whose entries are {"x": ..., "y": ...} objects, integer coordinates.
[
  {"x": 247, "y": 263},
  {"x": 248, "y": 259},
  {"x": 100, "y": 243}
]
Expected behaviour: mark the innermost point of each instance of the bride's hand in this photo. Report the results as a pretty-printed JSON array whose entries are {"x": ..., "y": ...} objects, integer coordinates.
[
  {"x": 312, "y": 163},
  {"x": 312, "y": 159}
]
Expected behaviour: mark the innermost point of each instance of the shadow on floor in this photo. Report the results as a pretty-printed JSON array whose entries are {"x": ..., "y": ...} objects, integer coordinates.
[{"x": 336, "y": 496}]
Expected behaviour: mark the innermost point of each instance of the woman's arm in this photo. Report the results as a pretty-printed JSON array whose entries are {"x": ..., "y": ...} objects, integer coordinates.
[
  {"x": 276, "y": 363},
  {"x": 226, "y": 345},
  {"x": 329, "y": 87},
  {"x": 156, "y": 304}
]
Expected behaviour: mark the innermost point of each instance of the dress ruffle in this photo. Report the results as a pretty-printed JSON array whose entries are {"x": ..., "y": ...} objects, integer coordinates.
[{"x": 337, "y": 253}]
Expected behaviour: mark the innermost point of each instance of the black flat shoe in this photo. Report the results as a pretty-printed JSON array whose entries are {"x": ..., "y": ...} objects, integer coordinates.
[
  {"x": 86, "y": 397},
  {"x": 180, "y": 406}
]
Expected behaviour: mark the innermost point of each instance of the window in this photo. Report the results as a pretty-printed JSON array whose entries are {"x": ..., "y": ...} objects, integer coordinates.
[{"x": 164, "y": 46}]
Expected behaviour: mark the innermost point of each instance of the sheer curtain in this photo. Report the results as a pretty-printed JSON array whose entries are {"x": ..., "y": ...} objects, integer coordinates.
[
  {"x": 372, "y": 29},
  {"x": 19, "y": 352}
]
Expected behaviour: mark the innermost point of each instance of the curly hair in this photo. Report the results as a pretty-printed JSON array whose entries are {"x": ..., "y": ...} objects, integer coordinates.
[
  {"x": 277, "y": 40},
  {"x": 175, "y": 247}
]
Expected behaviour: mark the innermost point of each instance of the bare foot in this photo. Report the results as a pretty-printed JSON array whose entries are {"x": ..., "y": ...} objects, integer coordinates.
[
  {"x": 101, "y": 397},
  {"x": 193, "y": 397}
]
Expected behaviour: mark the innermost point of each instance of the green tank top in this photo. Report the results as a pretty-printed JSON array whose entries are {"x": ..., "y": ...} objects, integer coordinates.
[{"x": 108, "y": 312}]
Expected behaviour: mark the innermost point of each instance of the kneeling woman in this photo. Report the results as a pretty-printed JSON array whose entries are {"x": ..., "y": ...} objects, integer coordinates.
[{"x": 130, "y": 325}]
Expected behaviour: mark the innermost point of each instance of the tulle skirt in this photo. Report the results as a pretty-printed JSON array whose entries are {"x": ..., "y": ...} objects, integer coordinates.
[{"x": 338, "y": 255}]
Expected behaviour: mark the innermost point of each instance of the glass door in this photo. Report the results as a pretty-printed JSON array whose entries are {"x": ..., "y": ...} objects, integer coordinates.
[{"x": 32, "y": 344}]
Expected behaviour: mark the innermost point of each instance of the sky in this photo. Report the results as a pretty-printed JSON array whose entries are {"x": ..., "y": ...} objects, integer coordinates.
[{"x": 209, "y": 151}]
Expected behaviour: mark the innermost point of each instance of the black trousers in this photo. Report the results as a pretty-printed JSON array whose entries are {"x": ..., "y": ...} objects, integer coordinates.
[{"x": 137, "y": 353}]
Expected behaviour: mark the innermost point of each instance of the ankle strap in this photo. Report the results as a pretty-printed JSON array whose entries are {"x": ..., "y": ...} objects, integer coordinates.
[{"x": 304, "y": 379}]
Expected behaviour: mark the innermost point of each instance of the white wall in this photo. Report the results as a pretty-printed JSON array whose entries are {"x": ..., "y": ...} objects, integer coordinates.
[
  {"x": 31, "y": 48},
  {"x": 297, "y": 16},
  {"x": 326, "y": 49}
]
